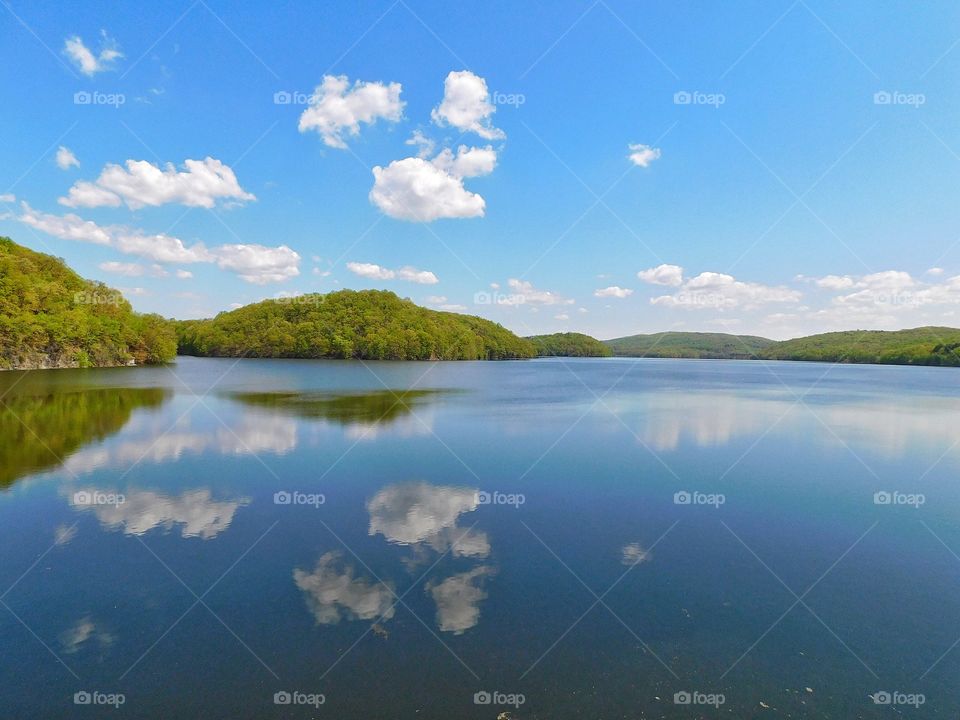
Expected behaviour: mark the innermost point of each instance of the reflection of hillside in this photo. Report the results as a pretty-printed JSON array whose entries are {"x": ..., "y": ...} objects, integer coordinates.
[
  {"x": 368, "y": 407},
  {"x": 38, "y": 431}
]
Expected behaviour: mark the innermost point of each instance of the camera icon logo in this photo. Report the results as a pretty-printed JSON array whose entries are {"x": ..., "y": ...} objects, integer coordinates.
[
  {"x": 483, "y": 497},
  {"x": 82, "y": 97},
  {"x": 682, "y": 498},
  {"x": 82, "y": 698},
  {"x": 282, "y": 97},
  {"x": 82, "y": 497},
  {"x": 882, "y": 97},
  {"x": 682, "y": 698},
  {"x": 482, "y": 698},
  {"x": 682, "y": 97},
  {"x": 882, "y": 498},
  {"x": 882, "y": 697},
  {"x": 282, "y": 498},
  {"x": 282, "y": 698}
]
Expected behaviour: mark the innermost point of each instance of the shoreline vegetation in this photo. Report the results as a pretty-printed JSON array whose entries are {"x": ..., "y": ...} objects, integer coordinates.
[{"x": 50, "y": 317}]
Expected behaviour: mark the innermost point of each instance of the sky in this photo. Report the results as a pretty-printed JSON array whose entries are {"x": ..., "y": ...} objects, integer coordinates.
[{"x": 776, "y": 168}]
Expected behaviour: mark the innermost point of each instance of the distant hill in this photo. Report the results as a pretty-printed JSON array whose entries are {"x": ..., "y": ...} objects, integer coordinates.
[
  {"x": 918, "y": 346},
  {"x": 689, "y": 345},
  {"x": 569, "y": 345},
  {"x": 367, "y": 324},
  {"x": 50, "y": 317}
]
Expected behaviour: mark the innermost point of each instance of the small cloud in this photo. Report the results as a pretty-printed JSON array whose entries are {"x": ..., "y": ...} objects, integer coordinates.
[
  {"x": 337, "y": 108},
  {"x": 643, "y": 155},
  {"x": 935, "y": 271},
  {"x": 86, "y": 61},
  {"x": 466, "y": 106},
  {"x": 66, "y": 159},
  {"x": 663, "y": 275},
  {"x": 184, "y": 274},
  {"x": 613, "y": 291},
  {"x": 561, "y": 316}
]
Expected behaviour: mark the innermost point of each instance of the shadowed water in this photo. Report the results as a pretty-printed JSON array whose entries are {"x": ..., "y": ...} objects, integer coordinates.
[{"x": 596, "y": 538}]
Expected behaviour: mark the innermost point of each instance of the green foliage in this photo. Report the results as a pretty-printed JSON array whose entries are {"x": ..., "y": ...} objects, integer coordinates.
[
  {"x": 569, "y": 345},
  {"x": 918, "y": 346},
  {"x": 367, "y": 324},
  {"x": 690, "y": 345},
  {"x": 52, "y": 317}
]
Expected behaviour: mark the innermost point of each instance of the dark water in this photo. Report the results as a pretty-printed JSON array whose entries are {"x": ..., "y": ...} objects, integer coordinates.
[{"x": 193, "y": 540}]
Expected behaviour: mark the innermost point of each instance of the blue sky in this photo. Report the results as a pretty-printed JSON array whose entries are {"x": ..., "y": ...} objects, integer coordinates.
[{"x": 795, "y": 164}]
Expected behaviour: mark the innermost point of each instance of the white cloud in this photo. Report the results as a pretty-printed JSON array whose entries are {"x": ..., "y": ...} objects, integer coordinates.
[
  {"x": 718, "y": 291},
  {"x": 834, "y": 282},
  {"x": 259, "y": 264},
  {"x": 254, "y": 263},
  {"x": 66, "y": 159},
  {"x": 561, "y": 316},
  {"x": 84, "y": 58},
  {"x": 425, "y": 146},
  {"x": 184, "y": 274},
  {"x": 378, "y": 272},
  {"x": 453, "y": 307},
  {"x": 525, "y": 292},
  {"x": 643, "y": 155},
  {"x": 416, "y": 189},
  {"x": 613, "y": 291},
  {"x": 8, "y": 197},
  {"x": 466, "y": 105},
  {"x": 336, "y": 108},
  {"x": 935, "y": 271},
  {"x": 436, "y": 299},
  {"x": 121, "y": 268},
  {"x": 663, "y": 275},
  {"x": 468, "y": 162},
  {"x": 142, "y": 183}
]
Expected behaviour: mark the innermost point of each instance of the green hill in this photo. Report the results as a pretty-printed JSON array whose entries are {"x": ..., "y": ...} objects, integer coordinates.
[
  {"x": 689, "y": 345},
  {"x": 52, "y": 317},
  {"x": 569, "y": 345},
  {"x": 918, "y": 346},
  {"x": 367, "y": 324}
]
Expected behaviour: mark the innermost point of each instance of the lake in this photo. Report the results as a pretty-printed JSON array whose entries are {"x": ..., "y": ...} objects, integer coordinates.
[{"x": 590, "y": 538}]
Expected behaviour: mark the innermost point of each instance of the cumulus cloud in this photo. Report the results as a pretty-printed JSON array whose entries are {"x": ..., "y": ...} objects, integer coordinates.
[
  {"x": 466, "y": 105},
  {"x": 257, "y": 264},
  {"x": 333, "y": 593},
  {"x": 425, "y": 146},
  {"x": 834, "y": 282},
  {"x": 718, "y": 291},
  {"x": 377, "y": 272},
  {"x": 643, "y": 155},
  {"x": 336, "y": 107},
  {"x": 84, "y": 58},
  {"x": 66, "y": 159},
  {"x": 525, "y": 292},
  {"x": 424, "y": 190},
  {"x": 141, "y": 183},
  {"x": 613, "y": 291},
  {"x": 663, "y": 275}
]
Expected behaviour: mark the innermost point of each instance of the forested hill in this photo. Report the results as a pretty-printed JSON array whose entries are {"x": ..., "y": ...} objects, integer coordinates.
[
  {"x": 689, "y": 345},
  {"x": 917, "y": 346},
  {"x": 569, "y": 345},
  {"x": 50, "y": 317},
  {"x": 366, "y": 324}
]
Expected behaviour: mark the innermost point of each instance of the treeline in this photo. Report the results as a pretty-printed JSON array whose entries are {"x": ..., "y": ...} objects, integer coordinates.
[
  {"x": 569, "y": 344},
  {"x": 367, "y": 325},
  {"x": 917, "y": 346},
  {"x": 52, "y": 317},
  {"x": 714, "y": 346}
]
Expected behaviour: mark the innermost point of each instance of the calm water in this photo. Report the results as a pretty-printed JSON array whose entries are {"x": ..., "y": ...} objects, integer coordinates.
[{"x": 201, "y": 537}]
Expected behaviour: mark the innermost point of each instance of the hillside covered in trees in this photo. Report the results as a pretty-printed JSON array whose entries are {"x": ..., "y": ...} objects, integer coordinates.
[
  {"x": 367, "y": 324},
  {"x": 50, "y": 317},
  {"x": 689, "y": 345},
  {"x": 569, "y": 344},
  {"x": 917, "y": 346}
]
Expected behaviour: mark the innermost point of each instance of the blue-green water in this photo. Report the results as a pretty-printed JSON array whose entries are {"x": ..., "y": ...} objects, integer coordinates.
[{"x": 194, "y": 540}]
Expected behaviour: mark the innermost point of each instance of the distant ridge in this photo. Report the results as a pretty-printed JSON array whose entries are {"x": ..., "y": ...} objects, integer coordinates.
[
  {"x": 917, "y": 346},
  {"x": 715, "y": 346}
]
